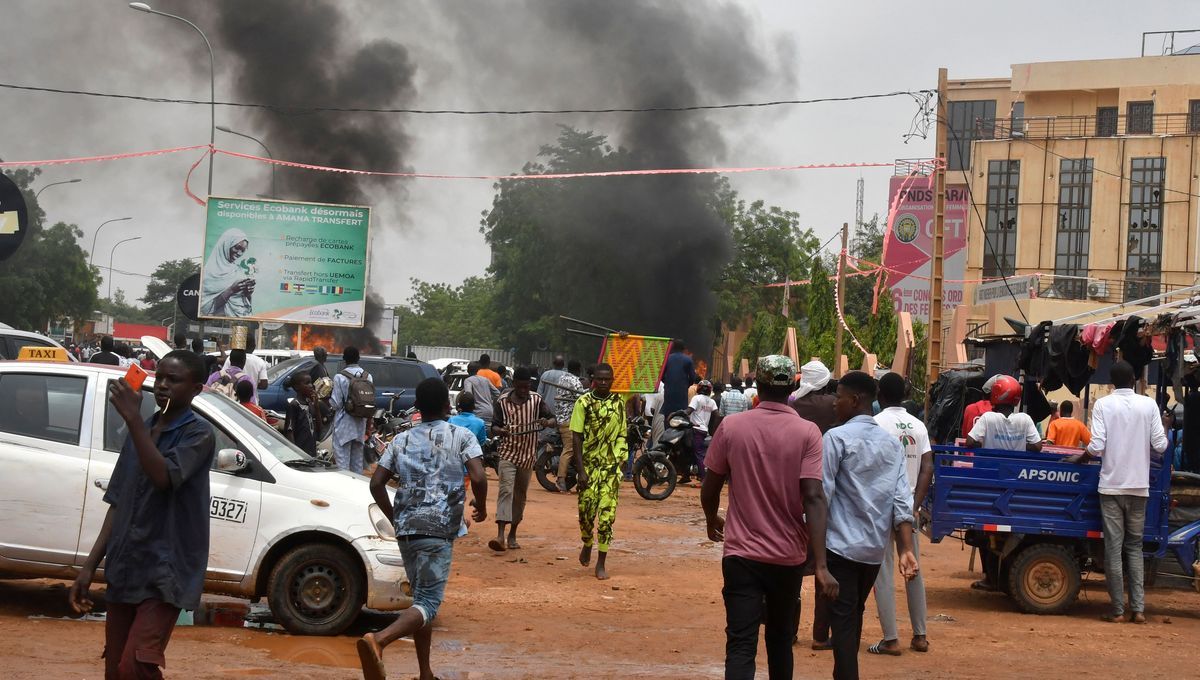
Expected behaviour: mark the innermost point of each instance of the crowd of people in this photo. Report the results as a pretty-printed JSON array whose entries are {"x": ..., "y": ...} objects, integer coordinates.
[{"x": 823, "y": 475}]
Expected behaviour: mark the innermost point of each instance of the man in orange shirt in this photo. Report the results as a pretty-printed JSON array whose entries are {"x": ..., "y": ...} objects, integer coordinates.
[
  {"x": 485, "y": 370},
  {"x": 1066, "y": 431}
]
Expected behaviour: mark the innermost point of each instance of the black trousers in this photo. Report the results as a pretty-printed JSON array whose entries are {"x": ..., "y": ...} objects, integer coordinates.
[
  {"x": 855, "y": 581},
  {"x": 759, "y": 593}
]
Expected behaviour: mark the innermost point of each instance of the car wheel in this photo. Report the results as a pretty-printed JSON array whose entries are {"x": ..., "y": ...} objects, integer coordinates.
[{"x": 316, "y": 589}]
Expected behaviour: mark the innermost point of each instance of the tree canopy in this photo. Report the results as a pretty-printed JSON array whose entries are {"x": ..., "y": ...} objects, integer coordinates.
[{"x": 163, "y": 287}]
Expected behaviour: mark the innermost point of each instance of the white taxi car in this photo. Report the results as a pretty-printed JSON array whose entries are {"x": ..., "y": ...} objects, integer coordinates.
[{"x": 283, "y": 525}]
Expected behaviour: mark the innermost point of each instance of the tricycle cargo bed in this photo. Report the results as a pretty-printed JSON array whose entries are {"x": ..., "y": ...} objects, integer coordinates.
[{"x": 1030, "y": 493}]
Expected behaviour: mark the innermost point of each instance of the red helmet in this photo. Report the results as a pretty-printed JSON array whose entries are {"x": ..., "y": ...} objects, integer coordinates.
[{"x": 1006, "y": 391}]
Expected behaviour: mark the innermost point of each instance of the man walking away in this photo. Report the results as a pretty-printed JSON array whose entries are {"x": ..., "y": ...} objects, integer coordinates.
[
  {"x": 869, "y": 501},
  {"x": 918, "y": 468},
  {"x": 1066, "y": 430},
  {"x": 180, "y": 341},
  {"x": 599, "y": 442},
  {"x": 679, "y": 373},
  {"x": 427, "y": 513},
  {"x": 482, "y": 391},
  {"x": 1126, "y": 430},
  {"x": 107, "y": 354},
  {"x": 776, "y": 521},
  {"x": 568, "y": 391},
  {"x": 700, "y": 412},
  {"x": 319, "y": 370},
  {"x": 518, "y": 416},
  {"x": 733, "y": 401},
  {"x": 485, "y": 370},
  {"x": 466, "y": 417},
  {"x": 548, "y": 392},
  {"x": 349, "y": 419},
  {"x": 1003, "y": 428},
  {"x": 812, "y": 400},
  {"x": 154, "y": 539}
]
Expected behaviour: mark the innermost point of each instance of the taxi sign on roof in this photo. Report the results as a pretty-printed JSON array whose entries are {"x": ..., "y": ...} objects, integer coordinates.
[{"x": 31, "y": 353}]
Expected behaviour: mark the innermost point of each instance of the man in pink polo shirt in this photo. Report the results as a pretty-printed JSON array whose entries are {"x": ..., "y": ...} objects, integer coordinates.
[{"x": 772, "y": 459}]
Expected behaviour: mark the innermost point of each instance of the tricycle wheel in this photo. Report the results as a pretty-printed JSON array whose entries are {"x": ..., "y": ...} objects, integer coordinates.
[
  {"x": 1045, "y": 579},
  {"x": 1150, "y": 571}
]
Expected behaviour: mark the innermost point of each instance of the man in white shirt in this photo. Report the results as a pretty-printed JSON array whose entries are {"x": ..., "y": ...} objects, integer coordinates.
[
  {"x": 1001, "y": 428},
  {"x": 700, "y": 411},
  {"x": 1126, "y": 429},
  {"x": 918, "y": 465}
]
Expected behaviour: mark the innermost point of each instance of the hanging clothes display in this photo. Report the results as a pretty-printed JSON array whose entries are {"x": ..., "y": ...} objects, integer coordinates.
[
  {"x": 1067, "y": 362},
  {"x": 1133, "y": 347}
]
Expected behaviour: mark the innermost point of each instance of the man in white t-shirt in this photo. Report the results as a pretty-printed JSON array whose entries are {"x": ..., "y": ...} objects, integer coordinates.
[
  {"x": 700, "y": 411},
  {"x": 918, "y": 463},
  {"x": 1001, "y": 428},
  {"x": 1126, "y": 430}
]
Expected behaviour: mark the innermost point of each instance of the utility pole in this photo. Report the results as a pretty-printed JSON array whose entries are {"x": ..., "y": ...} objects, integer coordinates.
[
  {"x": 841, "y": 292},
  {"x": 939, "y": 236}
]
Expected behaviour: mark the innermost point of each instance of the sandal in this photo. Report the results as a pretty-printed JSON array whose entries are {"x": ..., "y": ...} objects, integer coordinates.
[
  {"x": 497, "y": 546},
  {"x": 878, "y": 648}
]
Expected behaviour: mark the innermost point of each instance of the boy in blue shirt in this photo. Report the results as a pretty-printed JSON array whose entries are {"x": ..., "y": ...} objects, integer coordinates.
[{"x": 466, "y": 417}]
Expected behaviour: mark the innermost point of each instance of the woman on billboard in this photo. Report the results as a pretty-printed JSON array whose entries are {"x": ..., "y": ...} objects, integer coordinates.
[{"x": 228, "y": 282}]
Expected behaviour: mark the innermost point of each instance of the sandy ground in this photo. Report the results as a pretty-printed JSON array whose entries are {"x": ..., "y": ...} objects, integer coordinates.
[{"x": 535, "y": 613}]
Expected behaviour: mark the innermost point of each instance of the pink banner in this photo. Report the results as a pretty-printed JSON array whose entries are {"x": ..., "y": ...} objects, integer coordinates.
[{"x": 908, "y": 244}]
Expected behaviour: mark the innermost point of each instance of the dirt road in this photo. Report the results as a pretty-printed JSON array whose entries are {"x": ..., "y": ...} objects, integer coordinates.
[{"x": 535, "y": 613}]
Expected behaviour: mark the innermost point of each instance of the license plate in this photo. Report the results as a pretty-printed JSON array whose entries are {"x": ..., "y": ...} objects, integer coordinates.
[{"x": 227, "y": 509}]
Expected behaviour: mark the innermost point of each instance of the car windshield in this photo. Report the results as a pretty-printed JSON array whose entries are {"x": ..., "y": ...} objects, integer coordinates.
[
  {"x": 266, "y": 436},
  {"x": 283, "y": 367}
]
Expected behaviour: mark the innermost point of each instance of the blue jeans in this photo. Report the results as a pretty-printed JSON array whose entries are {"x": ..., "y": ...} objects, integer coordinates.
[
  {"x": 700, "y": 449},
  {"x": 1124, "y": 522},
  {"x": 427, "y": 562}
]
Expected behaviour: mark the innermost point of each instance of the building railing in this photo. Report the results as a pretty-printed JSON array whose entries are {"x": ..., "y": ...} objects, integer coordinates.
[
  {"x": 1101, "y": 289},
  {"x": 1115, "y": 125}
]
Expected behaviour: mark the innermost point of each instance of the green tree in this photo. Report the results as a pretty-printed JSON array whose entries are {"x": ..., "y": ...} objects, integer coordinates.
[
  {"x": 163, "y": 287},
  {"x": 121, "y": 310},
  {"x": 48, "y": 278},
  {"x": 820, "y": 332},
  {"x": 440, "y": 314}
]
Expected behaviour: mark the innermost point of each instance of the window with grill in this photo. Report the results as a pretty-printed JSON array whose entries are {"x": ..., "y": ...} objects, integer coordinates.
[
  {"x": 1106, "y": 121},
  {"x": 1139, "y": 118},
  {"x": 1194, "y": 117},
  {"x": 1000, "y": 230},
  {"x": 1074, "y": 227},
  {"x": 1143, "y": 253},
  {"x": 969, "y": 121}
]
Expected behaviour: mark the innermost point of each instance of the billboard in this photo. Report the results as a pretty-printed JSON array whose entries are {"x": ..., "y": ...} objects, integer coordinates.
[
  {"x": 285, "y": 261},
  {"x": 908, "y": 244}
]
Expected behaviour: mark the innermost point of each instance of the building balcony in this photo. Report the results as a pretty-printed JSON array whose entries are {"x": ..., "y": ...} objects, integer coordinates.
[{"x": 1066, "y": 127}]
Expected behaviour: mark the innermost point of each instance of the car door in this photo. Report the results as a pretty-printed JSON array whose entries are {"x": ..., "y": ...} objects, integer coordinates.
[
  {"x": 233, "y": 505},
  {"x": 43, "y": 463}
]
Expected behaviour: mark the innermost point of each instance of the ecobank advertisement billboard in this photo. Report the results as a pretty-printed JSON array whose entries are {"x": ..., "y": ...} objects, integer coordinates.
[{"x": 285, "y": 261}]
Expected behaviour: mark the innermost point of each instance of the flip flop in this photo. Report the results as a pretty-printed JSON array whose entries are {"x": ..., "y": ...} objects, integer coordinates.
[
  {"x": 497, "y": 545},
  {"x": 372, "y": 665},
  {"x": 878, "y": 648}
]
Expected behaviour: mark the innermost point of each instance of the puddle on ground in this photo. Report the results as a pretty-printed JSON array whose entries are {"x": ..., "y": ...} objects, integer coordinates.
[{"x": 338, "y": 652}]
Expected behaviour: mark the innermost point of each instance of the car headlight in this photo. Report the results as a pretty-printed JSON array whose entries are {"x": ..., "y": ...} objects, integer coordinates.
[{"x": 383, "y": 525}]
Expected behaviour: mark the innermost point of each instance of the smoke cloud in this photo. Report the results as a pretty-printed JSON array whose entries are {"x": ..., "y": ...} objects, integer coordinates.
[{"x": 644, "y": 252}]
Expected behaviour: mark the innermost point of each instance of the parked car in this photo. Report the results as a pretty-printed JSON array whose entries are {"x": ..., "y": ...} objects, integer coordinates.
[
  {"x": 391, "y": 375},
  {"x": 12, "y": 340},
  {"x": 284, "y": 526}
]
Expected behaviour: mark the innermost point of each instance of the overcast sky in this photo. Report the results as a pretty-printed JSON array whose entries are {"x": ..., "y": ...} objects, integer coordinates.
[{"x": 835, "y": 48}]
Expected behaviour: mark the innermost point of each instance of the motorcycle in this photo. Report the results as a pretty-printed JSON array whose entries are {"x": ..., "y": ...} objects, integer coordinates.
[
  {"x": 546, "y": 465},
  {"x": 655, "y": 471}
]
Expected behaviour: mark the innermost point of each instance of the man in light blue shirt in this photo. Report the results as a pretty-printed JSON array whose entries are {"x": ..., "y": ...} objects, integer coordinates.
[{"x": 869, "y": 497}]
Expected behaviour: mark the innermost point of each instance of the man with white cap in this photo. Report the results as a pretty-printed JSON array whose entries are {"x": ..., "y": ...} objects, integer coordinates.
[{"x": 812, "y": 399}]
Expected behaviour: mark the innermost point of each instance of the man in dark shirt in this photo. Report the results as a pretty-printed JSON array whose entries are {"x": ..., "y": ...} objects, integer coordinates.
[
  {"x": 303, "y": 419},
  {"x": 154, "y": 540},
  {"x": 180, "y": 341},
  {"x": 678, "y": 375},
  {"x": 107, "y": 354},
  {"x": 319, "y": 370}
]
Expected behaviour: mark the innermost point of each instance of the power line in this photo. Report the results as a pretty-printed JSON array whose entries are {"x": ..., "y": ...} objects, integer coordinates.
[{"x": 917, "y": 94}]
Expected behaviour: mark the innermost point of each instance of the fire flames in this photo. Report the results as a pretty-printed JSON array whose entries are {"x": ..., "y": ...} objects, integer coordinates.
[{"x": 318, "y": 336}]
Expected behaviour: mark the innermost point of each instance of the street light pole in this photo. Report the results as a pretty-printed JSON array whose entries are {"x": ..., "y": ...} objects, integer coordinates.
[
  {"x": 222, "y": 128},
  {"x": 92, "y": 252},
  {"x": 110, "y": 264},
  {"x": 212, "y": 83},
  {"x": 68, "y": 181}
]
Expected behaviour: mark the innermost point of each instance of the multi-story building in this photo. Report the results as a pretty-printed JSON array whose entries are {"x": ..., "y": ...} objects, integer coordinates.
[{"x": 1084, "y": 173}]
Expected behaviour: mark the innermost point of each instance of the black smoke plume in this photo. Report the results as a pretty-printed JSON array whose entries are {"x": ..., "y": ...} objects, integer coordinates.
[
  {"x": 305, "y": 53},
  {"x": 642, "y": 253}
]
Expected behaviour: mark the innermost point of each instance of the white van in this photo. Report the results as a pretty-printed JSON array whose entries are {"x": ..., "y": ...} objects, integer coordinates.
[{"x": 283, "y": 525}]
